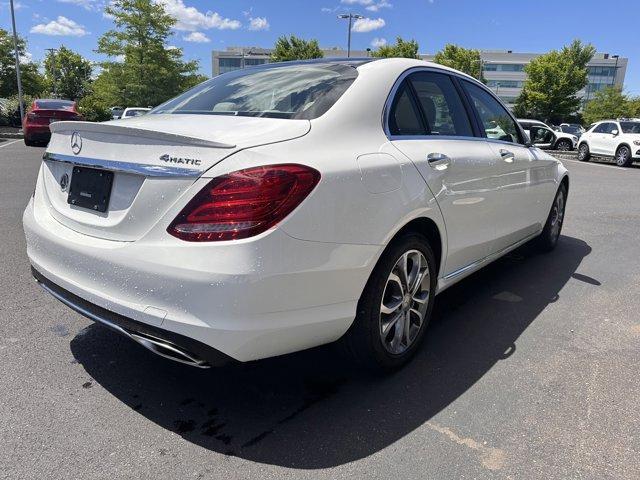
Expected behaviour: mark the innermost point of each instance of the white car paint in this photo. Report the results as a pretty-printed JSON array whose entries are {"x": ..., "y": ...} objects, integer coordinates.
[
  {"x": 607, "y": 142},
  {"x": 296, "y": 285}
]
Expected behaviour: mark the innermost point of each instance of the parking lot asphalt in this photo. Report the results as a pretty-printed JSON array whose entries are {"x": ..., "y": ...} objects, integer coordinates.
[{"x": 529, "y": 370}]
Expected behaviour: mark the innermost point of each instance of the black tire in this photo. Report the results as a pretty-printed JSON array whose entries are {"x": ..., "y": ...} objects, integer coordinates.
[
  {"x": 548, "y": 239},
  {"x": 583, "y": 152},
  {"x": 364, "y": 340},
  {"x": 623, "y": 156},
  {"x": 564, "y": 145},
  {"x": 29, "y": 143}
]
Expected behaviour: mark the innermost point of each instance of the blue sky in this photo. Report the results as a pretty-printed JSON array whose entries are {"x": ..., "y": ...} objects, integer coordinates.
[{"x": 205, "y": 25}]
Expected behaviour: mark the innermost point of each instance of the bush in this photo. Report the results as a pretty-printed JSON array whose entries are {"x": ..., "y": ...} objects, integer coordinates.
[
  {"x": 93, "y": 109},
  {"x": 10, "y": 110}
]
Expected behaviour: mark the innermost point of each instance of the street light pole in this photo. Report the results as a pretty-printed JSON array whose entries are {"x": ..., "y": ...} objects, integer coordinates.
[
  {"x": 18, "y": 76},
  {"x": 54, "y": 66},
  {"x": 350, "y": 16},
  {"x": 615, "y": 70}
]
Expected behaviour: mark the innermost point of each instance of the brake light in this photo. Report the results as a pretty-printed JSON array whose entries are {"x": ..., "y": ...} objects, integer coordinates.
[
  {"x": 244, "y": 203},
  {"x": 32, "y": 116}
]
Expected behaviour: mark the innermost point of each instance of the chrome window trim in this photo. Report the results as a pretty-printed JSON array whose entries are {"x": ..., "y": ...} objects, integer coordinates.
[{"x": 124, "y": 167}]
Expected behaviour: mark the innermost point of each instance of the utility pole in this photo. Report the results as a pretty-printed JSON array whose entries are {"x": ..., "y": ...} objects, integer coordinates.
[
  {"x": 52, "y": 52},
  {"x": 350, "y": 16},
  {"x": 18, "y": 76}
]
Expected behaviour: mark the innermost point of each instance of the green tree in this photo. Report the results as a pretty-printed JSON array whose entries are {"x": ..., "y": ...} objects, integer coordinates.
[
  {"x": 464, "y": 59},
  {"x": 553, "y": 81},
  {"x": 402, "y": 48},
  {"x": 32, "y": 80},
  {"x": 67, "y": 74},
  {"x": 149, "y": 71},
  {"x": 609, "y": 102},
  {"x": 294, "y": 48}
]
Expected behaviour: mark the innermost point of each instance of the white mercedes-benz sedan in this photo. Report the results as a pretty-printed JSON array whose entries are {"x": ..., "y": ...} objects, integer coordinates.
[{"x": 286, "y": 206}]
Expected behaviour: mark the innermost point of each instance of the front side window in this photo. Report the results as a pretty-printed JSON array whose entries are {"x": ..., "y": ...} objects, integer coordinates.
[
  {"x": 608, "y": 127},
  {"x": 541, "y": 135},
  {"x": 441, "y": 105},
  {"x": 292, "y": 92},
  {"x": 495, "y": 120}
]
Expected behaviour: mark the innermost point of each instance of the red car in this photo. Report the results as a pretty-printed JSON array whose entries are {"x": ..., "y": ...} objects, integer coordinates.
[{"x": 41, "y": 114}]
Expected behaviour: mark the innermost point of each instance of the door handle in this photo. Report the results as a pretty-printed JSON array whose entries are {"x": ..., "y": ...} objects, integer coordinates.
[
  {"x": 439, "y": 161},
  {"x": 507, "y": 155}
]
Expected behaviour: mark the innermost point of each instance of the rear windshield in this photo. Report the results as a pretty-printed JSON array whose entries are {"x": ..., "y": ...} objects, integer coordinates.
[
  {"x": 630, "y": 127},
  {"x": 54, "y": 104},
  {"x": 294, "y": 92}
]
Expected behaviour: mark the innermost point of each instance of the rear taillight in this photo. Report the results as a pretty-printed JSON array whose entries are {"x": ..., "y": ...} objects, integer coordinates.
[
  {"x": 32, "y": 116},
  {"x": 244, "y": 203}
]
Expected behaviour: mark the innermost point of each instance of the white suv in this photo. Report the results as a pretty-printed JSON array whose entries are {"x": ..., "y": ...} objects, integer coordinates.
[
  {"x": 619, "y": 139},
  {"x": 543, "y": 136}
]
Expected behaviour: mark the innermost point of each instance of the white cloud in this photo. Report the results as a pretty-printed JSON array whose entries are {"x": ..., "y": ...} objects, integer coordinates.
[
  {"x": 191, "y": 19},
  {"x": 61, "y": 26},
  {"x": 258, "y": 23},
  {"x": 197, "y": 37},
  {"x": 378, "y": 42},
  {"x": 368, "y": 24},
  {"x": 374, "y": 7},
  {"x": 86, "y": 4},
  {"x": 26, "y": 58},
  {"x": 357, "y": 2}
]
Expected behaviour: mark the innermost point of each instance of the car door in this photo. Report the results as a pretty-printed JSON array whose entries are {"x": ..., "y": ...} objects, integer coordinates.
[
  {"x": 542, "y": 137},
  {"x": 429, "y": 123},
  {"x": 524, "y": 181},
  {"x": 601, "y": 138}
]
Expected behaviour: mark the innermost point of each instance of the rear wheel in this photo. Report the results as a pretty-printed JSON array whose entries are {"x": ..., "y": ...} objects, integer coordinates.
[
  {"x": 395, "y": 307},
  {"x": 623, "y": 156},
  {"x": 564, "y": 145},
  {"x": 548, "y": 239},
  {"x": 583, "y": 152}
]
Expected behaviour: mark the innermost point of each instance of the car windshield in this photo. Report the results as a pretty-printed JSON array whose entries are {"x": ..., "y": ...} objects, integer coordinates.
[
  {"x": 292, "y": 92},
  {"x": 630, "y": 127},
  {"x": 54, "y": 104}
]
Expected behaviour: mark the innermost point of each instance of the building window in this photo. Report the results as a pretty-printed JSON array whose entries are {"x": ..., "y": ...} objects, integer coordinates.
[
  {"x": 249, "y": 62},
  {"x": 504, "y": 84},
  {"x": 229, "y": 64},
  {"x": 504, "y": 67},
  {"x": 602, "y": 71}
]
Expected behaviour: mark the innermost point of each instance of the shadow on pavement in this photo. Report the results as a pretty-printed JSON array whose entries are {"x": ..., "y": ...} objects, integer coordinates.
[{"x": 311, "y": 409}]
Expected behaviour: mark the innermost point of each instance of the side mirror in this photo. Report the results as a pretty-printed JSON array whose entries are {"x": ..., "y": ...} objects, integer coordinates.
[{"x": 614, "y": 132}]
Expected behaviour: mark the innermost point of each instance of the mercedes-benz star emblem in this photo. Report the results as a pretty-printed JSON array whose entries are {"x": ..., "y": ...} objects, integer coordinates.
[
  {"x": 76, "y": 143},
  {"x": 64, "y": 181}
]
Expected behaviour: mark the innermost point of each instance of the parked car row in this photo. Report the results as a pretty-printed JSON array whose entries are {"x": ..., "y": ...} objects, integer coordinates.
[
  {"x": 543, "y": 136},
  {"x": 120, "y": 112},
  {"x": 45, "y": 111}
]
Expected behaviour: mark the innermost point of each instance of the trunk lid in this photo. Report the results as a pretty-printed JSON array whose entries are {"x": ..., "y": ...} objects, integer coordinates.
[{"x": 155, "y": 158}]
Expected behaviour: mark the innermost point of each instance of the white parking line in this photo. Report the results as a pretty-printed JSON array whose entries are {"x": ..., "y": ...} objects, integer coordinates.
[
  {"x": 610, "y": 166},
  {"x": 10, "y": 143}
]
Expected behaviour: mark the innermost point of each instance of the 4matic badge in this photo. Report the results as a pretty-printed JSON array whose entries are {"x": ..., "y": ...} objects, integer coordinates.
[{"x": 185, "y": 161}]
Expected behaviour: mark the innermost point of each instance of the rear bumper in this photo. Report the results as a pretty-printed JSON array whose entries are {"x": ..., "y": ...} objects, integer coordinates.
[
  {"x": 251, "y": 299},
  {"x": 37, "y": 132},
  {"x": 162, "y": 342}
]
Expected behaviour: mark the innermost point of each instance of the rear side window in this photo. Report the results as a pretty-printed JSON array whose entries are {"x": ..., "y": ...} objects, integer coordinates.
[
  {"x": 441, "y": 105},
  {"x": 404, "y": 117},
  {"x": 495, "y": 119}
]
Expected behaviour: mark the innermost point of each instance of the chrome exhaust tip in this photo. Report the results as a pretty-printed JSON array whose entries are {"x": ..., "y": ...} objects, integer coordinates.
[{"x": 167, "y": 350}]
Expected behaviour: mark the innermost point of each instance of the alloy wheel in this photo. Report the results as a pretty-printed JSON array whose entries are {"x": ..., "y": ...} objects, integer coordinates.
[
  {"x": 564, "y": 146},
  {"x": 404, "y": 302},
  {"x": 622, "y": 156}
]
